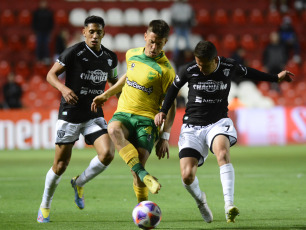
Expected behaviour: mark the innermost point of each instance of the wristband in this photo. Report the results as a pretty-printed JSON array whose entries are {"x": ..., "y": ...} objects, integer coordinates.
[{"x": 165, "y": 136}]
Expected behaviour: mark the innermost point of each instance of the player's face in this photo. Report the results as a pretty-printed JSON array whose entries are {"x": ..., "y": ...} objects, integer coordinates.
[
  {"x": 205, "y": 66},
  {"x": 93, "y": 34},
  {"x": 154, "y": 44}
]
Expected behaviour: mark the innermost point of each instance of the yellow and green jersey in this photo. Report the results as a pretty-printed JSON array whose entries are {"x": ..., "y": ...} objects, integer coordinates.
[{"x": 146, "y": 84}]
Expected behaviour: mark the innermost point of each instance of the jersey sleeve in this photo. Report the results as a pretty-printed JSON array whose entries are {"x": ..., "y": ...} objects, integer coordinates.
[
  {"x": 65, "y": 57},
  {"x": 114, "y": 71},
  {"x": 180, "y": 79}
]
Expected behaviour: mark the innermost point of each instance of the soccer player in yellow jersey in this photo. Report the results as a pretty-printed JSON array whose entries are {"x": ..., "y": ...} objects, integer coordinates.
[{"x": 143, "y": 88}]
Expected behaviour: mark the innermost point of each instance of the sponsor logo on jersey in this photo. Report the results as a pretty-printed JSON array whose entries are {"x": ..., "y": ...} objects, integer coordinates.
[
  {"x": 210, "y": 101},
  {"x": 82, "y": 51},
  {"x": 97, "y": 77},
  {"x": 151, "y": 75},
  {"x": 132, "y": 66},
  {"x": 135, "y": 85},
  {"x": 177, "y": 79},
  {"x": 226, "y": 72},
  {"x": 210, "y": 86},
  {"x": 195, "y": 74},
  {"x": 85, "y": 91},
  {"x": 167, "y": 64},
  {"x": 110, "y": 62},
  {"x": 85, "y": 59}
]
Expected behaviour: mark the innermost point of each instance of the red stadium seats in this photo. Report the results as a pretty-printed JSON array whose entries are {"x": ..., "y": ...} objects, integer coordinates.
[
  {"x": 213, "y": 38},
  {"x": 229, "y": 43},
  {"x": 247, "y": 42},
  {"x": 24, "y": 17},
  {"x": 221, "y": 17},
  {"x": 256, "y": 64},
  {"x": 5, "y": 68},
  {"x": 31, "y": 42},
  {"x": 274, "y": 18},
  {"x": 256, "y": 17},
  {"x": 61, "y": 17},
  {"x": 239, "y": 17},
  {"x": 203, "y": 17},
  {"x": 7, "y": 18},
  {"x": 14, "y": 43},
  {"x": 293, "y": 67},
  {"x": 22, "y": 69}
]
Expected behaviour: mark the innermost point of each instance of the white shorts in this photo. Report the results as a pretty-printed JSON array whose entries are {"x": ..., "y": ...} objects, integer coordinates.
[
  {"x": 68, "y": 133},
  {"x": 200, "y": 138}
]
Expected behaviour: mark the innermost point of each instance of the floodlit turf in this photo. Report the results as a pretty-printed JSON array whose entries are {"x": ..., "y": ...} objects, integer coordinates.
[{"x": 270, "y": 191}]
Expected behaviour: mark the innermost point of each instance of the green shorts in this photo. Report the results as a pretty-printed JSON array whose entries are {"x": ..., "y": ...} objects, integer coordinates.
[{"x": 142, "y": 130}]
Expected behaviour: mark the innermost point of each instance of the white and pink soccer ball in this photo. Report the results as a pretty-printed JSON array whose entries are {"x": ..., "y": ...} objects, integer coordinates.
[{"x": 146, "y": 215}]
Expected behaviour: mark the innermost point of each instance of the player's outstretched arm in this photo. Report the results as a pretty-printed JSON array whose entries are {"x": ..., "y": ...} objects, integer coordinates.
[
  {"x": 52, "y": 77},
  {"x": 285, "y": 75},
  {"x": 98, "y": 101}
]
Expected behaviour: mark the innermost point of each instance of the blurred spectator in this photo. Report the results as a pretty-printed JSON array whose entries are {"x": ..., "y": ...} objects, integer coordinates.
[
  {"x": 239, "y": 56},
  {"x": 274, "y": 56},
  {"x": 282, "y": 4},
  {"x": 12, "y": 93},
  {"x": 289, "y": 38},
  {"x": 235, "y": 104},
  {"x": 61, "y": 42},
  {"x": 182, "y": 20},
  {"x": 183, "y": 57},
  {"x": 42, "y": 25},
  {"x": 300, "y": 5}
]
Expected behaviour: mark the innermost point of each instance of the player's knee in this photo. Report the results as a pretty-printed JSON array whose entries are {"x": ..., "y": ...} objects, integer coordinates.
[
  {"x": 60, "y": 167},
  {"x": 107, "y": 156},
  {"x": 187, "y": 177}
]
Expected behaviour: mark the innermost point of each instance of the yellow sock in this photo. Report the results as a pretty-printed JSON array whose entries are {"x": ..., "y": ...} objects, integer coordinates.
[
  {"x": 130, "y": 155},
  {"x": 142, "y": 193}
]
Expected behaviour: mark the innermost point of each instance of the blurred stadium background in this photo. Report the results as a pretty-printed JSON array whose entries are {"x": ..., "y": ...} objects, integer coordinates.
[{"x": 268, "y": 116}]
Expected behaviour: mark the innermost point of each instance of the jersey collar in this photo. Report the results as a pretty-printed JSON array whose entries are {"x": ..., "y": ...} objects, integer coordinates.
[{"x": 94, "y": 52}]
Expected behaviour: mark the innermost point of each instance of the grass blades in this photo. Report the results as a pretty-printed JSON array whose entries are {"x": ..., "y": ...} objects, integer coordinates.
[{"x": 270, "y": 191}]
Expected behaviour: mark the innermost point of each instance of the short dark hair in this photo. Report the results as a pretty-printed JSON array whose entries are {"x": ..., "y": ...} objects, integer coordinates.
[
  {"x": 94, "y": 19},
  {"x": 205, "y": 50},
  {"x": 160, "y": 28}
]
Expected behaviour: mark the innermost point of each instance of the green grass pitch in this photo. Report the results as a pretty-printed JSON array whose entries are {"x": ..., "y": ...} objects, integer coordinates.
[{"x": 270, "y": 191}]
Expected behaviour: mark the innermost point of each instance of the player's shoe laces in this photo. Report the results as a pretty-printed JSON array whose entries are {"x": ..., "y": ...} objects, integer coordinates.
[
  {"x": 152, "y": 183},
  {"x": 231, "y": 212},
  {"x": 43, "y": 215},
  {"x": 205, "y": 210},
  {"x": 79, "y": 193}
]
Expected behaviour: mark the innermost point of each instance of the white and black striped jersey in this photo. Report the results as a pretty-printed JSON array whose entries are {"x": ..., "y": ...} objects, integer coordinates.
[
  {"x": 208, "y": 94},
  {"x": 86, "y": 74}
]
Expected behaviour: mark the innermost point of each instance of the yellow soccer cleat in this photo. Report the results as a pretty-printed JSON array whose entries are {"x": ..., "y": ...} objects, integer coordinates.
[
  {"x": 78, "y": 193},
  {"x": 151, "y": 183}
]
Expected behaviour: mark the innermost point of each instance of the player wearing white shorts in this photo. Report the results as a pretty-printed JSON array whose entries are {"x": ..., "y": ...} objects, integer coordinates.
[
  {"x": 88, "y": 65},
  {"x": 206, "y": 124}
]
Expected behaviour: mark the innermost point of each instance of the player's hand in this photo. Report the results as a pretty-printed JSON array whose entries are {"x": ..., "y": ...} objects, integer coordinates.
[
  {"x": 285, "y": 76},
  {"x": 162, "y": 147},
  {"x": 98, "y": 101},
  {"x": 70, "y": 97},
  {"x": 159, "y": 118}
]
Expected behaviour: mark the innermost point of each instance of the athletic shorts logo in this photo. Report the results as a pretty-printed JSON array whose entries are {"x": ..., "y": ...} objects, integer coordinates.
[{"x": 60, "y": 133}]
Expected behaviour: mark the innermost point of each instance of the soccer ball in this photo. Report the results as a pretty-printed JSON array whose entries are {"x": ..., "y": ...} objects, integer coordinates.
[{"x": 146, "y": 215}]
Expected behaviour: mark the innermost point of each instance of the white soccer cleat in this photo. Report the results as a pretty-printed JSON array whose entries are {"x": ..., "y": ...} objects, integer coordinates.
[
  {"x": 205, "y": 210},
  {"x": 231, "y": 211}
]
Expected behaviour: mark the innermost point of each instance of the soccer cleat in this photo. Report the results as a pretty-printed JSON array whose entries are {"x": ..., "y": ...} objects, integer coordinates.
[
  {"x": 79, "y": 193},
  {"x": 152, "y": 183},
  {"x": 43, "y": 215},
  {"x": 205, "y": 210},
  {"x": 231, "y": 212}
]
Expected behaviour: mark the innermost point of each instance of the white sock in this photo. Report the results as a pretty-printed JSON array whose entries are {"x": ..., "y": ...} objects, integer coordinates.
[
  {"x": 95, "y": 168},
  {"x": 51, "y": 183},
  {"x": 194, "y": 190},
  {"x": 227, "y": 176}
]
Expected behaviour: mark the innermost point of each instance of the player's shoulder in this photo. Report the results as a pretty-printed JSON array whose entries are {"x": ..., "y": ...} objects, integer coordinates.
[
  {"x": 109, "y": 52},
  {"x": 134, "y": 51},
  {"x": 189, "y": 67},
  {"x": 227, "y": 62}
]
